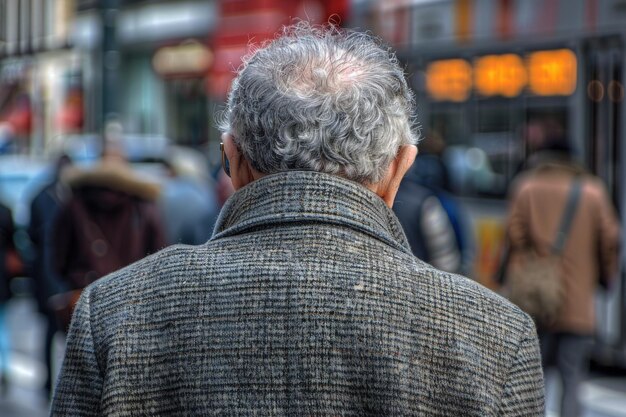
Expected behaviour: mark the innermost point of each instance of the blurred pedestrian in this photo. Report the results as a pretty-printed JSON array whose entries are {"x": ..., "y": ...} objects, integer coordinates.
[
  {"x": 455, "y": 249},
  {"x": 44, "y": 210},
  {"x": 188, "y": 204},
  {"x": 6, "y": 245},
  {"x": 536, "y": 135},
  {"x": 429, "y": 168},
  {"x": 426, "y": 225},
  {"x": 307, "y": 300},
  {"x": 589, "y": 255},
  {"x": 110, "y": 221}
]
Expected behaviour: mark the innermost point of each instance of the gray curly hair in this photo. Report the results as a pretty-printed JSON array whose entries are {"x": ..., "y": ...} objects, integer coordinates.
[{"x": 320, "y": 98}]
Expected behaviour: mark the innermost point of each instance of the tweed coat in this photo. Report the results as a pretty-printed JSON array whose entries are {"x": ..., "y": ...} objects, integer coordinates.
[{"x": 306, "y": 301}]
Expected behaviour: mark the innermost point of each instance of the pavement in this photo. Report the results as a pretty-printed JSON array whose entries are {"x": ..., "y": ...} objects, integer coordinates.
[
  {"x": 601, "y": 395},
  {"x": 605, "y": 397},
  {"x": 24, "y": 394}
]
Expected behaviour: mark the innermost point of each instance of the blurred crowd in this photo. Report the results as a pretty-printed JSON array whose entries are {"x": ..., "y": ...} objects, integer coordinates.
[{"x": 87, "y": 220}]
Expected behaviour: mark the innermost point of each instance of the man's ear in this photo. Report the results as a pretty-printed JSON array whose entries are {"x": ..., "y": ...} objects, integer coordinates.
[
  {"x": 387, "y": 188},
  {"x": 240, "y": 171}
]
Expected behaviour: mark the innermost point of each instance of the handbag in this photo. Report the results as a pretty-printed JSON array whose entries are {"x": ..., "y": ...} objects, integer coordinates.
[{"x": 535, "y": 282}]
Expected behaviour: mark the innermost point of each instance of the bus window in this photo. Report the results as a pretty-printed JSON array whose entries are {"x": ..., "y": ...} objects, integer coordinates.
[
  {"x": 547, "y": 121},
  {"x": 449, "y": 124},
  {"x": 488, "y": 141},
  {"x": 482, "y": 152}
]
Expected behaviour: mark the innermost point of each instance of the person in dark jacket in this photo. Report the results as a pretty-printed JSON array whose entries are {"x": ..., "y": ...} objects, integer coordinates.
[
  {"x": 429, "y": 171},
  {"x": 427, "y": 226},
  {"x": 44, "y": 210},
  {"x": 6, "y": 245},
  {"x": 110, "y": 221},
  {"x": 307, "y": 300},
  {"x": 188, "y": 203}
]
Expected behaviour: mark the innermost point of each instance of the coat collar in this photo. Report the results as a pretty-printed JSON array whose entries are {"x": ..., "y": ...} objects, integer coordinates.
[{"x": 299, "y": 196}]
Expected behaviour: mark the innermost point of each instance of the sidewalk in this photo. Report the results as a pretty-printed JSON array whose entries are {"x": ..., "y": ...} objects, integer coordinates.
[
  {"x": 606, "y": 396},
  {"x": 600, "y": 396}
]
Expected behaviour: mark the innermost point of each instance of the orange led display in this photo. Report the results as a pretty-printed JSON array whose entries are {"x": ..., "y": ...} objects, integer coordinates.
[
  {"x": 449, "y": 79},
  {"x": 545, "y": 73},
  {"x": 503, "y": 75},
  {"x": 552, "y": 73}
]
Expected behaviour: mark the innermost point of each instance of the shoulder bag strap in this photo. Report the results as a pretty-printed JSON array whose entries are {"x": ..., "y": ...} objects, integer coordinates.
[{"x": 568, "y": 216}]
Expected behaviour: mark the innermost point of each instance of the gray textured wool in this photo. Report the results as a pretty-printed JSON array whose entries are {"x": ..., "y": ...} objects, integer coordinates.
[{"x": 306, "y": 302}]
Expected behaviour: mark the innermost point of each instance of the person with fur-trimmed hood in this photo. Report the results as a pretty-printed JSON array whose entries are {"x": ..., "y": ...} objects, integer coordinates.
[{"x": 110, "y": 221}]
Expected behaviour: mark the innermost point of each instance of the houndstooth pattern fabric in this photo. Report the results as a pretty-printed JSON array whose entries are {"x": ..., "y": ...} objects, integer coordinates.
[{"x": 307, "y": 301}]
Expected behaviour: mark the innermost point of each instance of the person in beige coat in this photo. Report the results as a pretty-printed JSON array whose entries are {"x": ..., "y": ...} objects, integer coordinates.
[{"x": 589, "y": 256}]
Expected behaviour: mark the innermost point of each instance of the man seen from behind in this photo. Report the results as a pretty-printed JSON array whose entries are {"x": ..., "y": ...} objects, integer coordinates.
[{"x": 307, "y": 300}]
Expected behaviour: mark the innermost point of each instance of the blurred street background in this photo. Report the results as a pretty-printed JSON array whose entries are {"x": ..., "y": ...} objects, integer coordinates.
[{"x": 146, "y": 79}]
